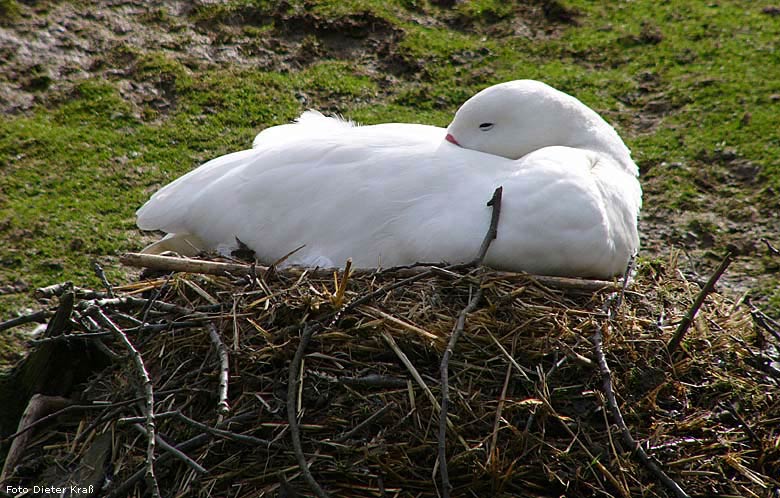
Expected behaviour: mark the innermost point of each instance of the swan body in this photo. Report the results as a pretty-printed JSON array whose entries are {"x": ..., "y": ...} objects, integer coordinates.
[{"x": 394, "y": 194}]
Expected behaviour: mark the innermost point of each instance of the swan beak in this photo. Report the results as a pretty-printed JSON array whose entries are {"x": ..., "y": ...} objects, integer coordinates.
[{"x": 451, "y": 139}]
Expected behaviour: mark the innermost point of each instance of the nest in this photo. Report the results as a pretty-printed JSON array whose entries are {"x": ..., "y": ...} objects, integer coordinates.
[{"x": 528, "y": 389}]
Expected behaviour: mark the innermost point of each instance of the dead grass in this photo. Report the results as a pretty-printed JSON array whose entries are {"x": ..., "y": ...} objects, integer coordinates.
[{"x": 527, "y": 413}]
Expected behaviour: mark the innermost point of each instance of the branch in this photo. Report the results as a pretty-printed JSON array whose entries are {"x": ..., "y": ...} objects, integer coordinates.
[
  {"x": 176, "y": 453},
  {"x": 242, "y": 438},
  {"x": 146, "y": 382},
  {"x": 606, "y": 379},
  {"x": 223, "y": 408},
  {"x": 102, "y": 276},
  {"x": 445, "y": 389},
  {"x": 416, "y": 272},
  {"x": 365, "y": 423},
  {"x": 292, "y": 409},
  {"x": 685, "y": 323},
  {"x": 39, "y": 409},
  {"x": 492, "y": 232},
  {"x": 37, "y": 317},
  {"x": 772, "y": 249}
]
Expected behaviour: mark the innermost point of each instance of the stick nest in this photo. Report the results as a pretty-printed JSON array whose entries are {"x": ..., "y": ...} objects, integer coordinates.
[{"x": 527, "y": 412}]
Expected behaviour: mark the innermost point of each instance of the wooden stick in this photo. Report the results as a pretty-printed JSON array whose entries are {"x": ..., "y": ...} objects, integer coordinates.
[
  {"x": 37, "y": 411},
  {"x": 457, "y": 330},
  {"x": 176, "y": 453},
  {"x": 772, "y": 249},
  {"x": 102, "y": 276},
  {"x": 628, "y": 439},
  {"x": 242, "y": 438},
  {"x": 460, "y": 324},
  {"x": 687, "y": 320},
  {"x": 492, "y": 233},
  {"x": 223, "y": 408},
  {"x": 37, "y": 317},
  {"x": 361, "y": 425},
  {"x": 168, "y": 263},
  {"x": 148, "y": 388},
  {"x": 292, "y": 409}
]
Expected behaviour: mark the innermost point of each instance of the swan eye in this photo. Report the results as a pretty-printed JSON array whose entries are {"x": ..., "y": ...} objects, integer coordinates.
[{"x": 485, "y": 126}]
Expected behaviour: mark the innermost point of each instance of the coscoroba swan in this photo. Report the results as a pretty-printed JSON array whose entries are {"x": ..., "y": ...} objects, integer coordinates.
[{"x": 394, "y": 194}]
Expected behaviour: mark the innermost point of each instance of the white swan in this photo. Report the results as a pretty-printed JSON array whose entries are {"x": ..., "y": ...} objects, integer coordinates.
[{"x": 394, "y": 194}]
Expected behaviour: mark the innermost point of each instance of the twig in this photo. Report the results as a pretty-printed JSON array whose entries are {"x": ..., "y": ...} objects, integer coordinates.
[
  {"x": 591, "y": 457},
  {"x": 492, "y": 233},
  {"x": 71, "y": 337},
  {"x": 292, "y": 409},
  {"x": 38, "y": 410},
  {"x": 129, "y": 301},
  {"x": 157, "y": 293},
  {"x": 628, "y": 439},
  {"x": 765, "y": 322},
  {"x": 417, "y": 271},
  {"x": 243, "y": 438},
  {"x": 146, "y": 382},
  {"x": 37, "y": 317},
  {"x": 457, "y": 330},
  {"x": 102, "y": 276},
  {"x": 176, "y": 453},
  {"x": 122, "y": 490},
  {"x": 685, "y": 323},
  {"x": 57, "y": 290},
  {"x": 60, "y": 322},
  {"x": 365, "y": 423},
  {"x": 223, "y": 408},
  {"x": 445, "y": 389},
  {"x": 409, "y": 366},
  {"x": 167, "y": 263},
  {"x": 772, "y": 249}
]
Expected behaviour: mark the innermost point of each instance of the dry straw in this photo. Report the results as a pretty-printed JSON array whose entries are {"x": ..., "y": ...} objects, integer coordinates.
[{"x": 528, "y": 410}]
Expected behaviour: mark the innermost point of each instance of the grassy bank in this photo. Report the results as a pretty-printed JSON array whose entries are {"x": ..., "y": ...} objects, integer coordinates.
[{"x": 92, "y": 130}]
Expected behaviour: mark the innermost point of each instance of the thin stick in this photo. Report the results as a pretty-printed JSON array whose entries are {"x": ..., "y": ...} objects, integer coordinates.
[
  {"x": 37, "y": 317},
  {"x": 242, "y": 438},
  {"x": 57, "y": 290},
  {"x": 167, "y": 263},
  {"x": 409, "y": 366},
  {"x": 292, "y": 409},
  {"x": 492, "y": 232},
  {"x": 445, "y": 390},
  {"x": 39, "y": 408},
  {"x": 129, "y": 301},
  {"x": 772, "y": 249},
  {"x": 687, "y": 320},
  {"x": 417, "y": 272},
  {"x": 176, "y": 453},
  {"x": 765, "y": 322},
  {"x": 122, "y": 490},
  {"x": 457, "y": 330},
  {"x": 628, "y": 439},
  {"x": 46, "y": 418},
  {"x": 146, "y": 382},
  {"x": 223, "y": 408},
  {"x": 102, "y": 276},
  {"x": 364, "y": 423},
  {"x": 71, "y": 337}
]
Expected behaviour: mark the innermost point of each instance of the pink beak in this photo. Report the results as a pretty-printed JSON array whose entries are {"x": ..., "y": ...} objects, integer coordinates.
[{"x": 451, "y": 139}]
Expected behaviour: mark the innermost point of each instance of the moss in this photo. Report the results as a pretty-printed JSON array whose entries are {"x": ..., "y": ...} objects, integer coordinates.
[{"x": 9, "y": 11}]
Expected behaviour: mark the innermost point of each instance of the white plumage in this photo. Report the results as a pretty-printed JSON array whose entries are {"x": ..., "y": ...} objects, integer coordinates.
[{"x": 394, "y": 194}]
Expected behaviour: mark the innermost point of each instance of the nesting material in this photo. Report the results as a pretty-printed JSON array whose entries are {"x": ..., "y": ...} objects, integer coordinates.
[{"x": 527, "y": 414}]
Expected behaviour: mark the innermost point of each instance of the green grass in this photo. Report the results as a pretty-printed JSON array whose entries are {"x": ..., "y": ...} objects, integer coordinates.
[{"x": 703, "y": 73}]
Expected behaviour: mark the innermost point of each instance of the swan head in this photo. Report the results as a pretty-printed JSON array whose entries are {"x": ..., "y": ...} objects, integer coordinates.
[{"x": 517, "y": 117}]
